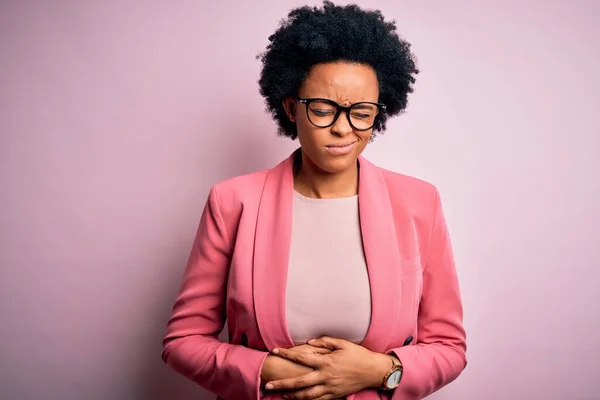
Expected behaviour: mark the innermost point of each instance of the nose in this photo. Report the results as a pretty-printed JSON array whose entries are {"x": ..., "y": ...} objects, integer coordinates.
[{"x": 342, "y": 126}]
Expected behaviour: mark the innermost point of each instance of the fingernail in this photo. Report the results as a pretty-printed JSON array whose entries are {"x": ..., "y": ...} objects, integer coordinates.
[
  {"x": 275, "y": 351},
  {"x": 311, "y": 341},
  {"x": 268, "y": 386}
]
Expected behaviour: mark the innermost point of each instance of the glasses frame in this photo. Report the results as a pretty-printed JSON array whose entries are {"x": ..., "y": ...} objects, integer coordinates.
[{"x": 380, "y": 106}]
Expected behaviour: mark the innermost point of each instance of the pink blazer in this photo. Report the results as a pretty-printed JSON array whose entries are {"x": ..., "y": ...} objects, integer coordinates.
[{"x": 237, "y": 273}]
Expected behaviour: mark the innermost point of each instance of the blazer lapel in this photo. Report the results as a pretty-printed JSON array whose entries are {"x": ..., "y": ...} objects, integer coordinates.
[
  {"x": 272, "y": 250},
  {"x": 382, "y": 254},
  {"x": 271, "y": 255}
]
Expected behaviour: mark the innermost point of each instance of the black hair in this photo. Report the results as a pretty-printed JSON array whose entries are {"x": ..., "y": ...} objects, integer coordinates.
[{"x": 313, "y": 35}]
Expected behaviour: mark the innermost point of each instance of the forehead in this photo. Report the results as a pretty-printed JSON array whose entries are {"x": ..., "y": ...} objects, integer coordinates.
[{"x": 343, "y": 82}]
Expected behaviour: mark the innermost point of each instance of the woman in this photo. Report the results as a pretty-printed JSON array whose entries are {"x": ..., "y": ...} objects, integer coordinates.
[{"x": 336, "y": 277}]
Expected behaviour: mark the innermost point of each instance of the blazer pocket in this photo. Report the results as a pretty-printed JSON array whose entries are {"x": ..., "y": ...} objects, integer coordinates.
[{"x": 411, "y": 266}]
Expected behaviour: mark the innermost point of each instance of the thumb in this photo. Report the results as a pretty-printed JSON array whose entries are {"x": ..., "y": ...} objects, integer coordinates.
[{"x": 328, "y": 343}]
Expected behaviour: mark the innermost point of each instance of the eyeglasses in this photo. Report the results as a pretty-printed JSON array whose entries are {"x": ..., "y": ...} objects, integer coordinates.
[{"x": 323, "y": 113}]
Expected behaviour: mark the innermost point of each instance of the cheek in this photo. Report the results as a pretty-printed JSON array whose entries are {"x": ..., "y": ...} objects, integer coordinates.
[
  {"x": 365, "y": 138},
  {"x": 362, "y": 147},
  {"x": 308, "y": 136}
]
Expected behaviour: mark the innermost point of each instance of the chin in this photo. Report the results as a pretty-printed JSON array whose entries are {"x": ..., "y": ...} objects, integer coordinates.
[{"x": 337, "y": 164}]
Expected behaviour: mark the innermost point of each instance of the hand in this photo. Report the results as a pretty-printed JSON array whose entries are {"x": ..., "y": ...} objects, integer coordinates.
[
  {"x": 311, "y": 349},
  {"x": 276, "y": 368},
  {"x": 349, "y": 369}
]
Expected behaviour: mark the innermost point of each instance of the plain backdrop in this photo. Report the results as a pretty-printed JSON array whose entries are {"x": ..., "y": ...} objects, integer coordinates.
[{"x": 117, "y": 117}]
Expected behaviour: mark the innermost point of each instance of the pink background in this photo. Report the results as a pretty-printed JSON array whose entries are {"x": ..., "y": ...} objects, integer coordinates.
[{"x": 117, "y": 117}]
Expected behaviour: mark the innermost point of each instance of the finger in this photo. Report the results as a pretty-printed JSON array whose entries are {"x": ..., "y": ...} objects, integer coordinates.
[
  {"x": 318, "y": 392},
  {"x": 307, "y": 359},
  {"x": 299, "y": 382},
  {"x": 328, "y": 342},
  {"x": 320, "y": 350},
  {"x": 307, "y": 348}
]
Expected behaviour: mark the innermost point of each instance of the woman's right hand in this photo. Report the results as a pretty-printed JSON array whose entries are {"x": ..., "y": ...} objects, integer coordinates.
[{"x": 275, "y": 367}]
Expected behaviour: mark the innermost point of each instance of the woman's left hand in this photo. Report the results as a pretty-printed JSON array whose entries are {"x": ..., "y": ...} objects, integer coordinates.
[{"x": 349, "y": 369}]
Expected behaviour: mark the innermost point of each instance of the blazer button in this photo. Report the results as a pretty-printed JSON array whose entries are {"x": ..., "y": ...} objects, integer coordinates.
[
  {"x": 408, "y": 340},
  {"x": 244, "y": 340}
]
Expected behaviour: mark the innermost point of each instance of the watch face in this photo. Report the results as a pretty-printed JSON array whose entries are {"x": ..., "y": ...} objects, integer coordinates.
[{"x": 394, "y": 379}]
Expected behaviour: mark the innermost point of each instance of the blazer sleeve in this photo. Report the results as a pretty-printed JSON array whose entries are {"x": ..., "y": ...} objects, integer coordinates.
[
  {"x": 438, "y": 356},
  {"x": 191, "y": 346}
]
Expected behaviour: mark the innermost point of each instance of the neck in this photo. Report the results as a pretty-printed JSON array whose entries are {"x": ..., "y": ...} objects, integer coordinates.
[{"x": 311, "y": 181}]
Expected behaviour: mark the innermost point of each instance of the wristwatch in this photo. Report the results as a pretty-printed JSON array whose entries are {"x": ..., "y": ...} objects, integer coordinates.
[{"x": 392, "y": 379}]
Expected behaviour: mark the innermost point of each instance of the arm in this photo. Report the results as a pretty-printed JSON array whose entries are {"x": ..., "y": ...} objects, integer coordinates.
[
  {"x": 191, "y": 346},
  {"x": 439, "y": 354}
]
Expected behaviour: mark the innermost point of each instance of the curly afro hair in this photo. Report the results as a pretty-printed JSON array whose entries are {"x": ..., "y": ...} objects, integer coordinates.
[{"x": 335, "y": 33}]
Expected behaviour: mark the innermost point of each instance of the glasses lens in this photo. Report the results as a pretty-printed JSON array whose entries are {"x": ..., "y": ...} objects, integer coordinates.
[
  {"x": 321, "y": 113},
  {"x": 363, "y": 115}
]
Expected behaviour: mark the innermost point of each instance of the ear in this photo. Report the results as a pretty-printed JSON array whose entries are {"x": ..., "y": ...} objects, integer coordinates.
[{"x": 289, "y": 105}]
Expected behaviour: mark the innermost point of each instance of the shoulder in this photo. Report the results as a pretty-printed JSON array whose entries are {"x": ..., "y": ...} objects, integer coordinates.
[
  {"x": 408, "y": 186},
  {"x": 415, "y": 199},
  {"x": 241, "y": 185},
  {"x": 415, "y": 196},
  {"x": 234, "y": 193}
]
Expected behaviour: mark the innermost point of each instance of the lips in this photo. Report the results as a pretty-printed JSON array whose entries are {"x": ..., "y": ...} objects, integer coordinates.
[
  {"x": 343, "y": 148},
  {"x": 340, "y": 145}
]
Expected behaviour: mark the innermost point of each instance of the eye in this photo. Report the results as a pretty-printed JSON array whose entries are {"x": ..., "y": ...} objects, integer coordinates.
[
  {"x": 322, "y": 113},
  {"x": 361, "y": 115}
]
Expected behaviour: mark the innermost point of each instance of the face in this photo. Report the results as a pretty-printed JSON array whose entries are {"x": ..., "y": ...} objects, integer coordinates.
[{"x": 346, "y": 84}]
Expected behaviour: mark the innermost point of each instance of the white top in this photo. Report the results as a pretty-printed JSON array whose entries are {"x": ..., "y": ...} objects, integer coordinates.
[{"x": 328, "y": 291}]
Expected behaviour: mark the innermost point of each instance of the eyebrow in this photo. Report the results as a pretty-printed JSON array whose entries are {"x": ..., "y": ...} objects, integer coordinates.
[
  {"x": 363, "y": 106},
  {"x": 359, "y": 105}
]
